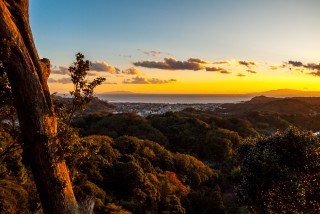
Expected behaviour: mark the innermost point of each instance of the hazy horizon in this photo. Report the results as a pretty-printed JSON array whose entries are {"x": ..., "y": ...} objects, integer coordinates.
[{"x": 279, "y": 92}]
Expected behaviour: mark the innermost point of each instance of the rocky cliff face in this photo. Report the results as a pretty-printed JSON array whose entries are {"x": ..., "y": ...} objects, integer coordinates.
[{"x": 45, "y": 67}]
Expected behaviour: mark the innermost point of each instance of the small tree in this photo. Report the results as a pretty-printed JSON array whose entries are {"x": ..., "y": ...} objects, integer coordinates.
[
  {"x": 83, "y": 90},
  {"x": 281, "y": 173}
]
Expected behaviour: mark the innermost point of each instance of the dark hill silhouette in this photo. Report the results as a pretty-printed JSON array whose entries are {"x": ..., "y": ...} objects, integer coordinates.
[
  {"x": 95, "y": 106},
  {"x": 261, "y": 100},
  {"x": 291, "y": 105}
]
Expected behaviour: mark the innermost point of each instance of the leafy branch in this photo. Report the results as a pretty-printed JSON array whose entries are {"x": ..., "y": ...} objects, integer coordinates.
[{"x": 83, "y": 90}]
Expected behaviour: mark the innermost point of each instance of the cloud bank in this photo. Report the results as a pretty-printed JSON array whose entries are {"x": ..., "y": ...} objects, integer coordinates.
[
  {"x": 143, "y": 80},
  {"x": 101, "y": 66},
  {"x": 240, "y": 75},
  {"x": 252, "y": 71},
  {"x": 63, "y": 70},
  {"x": 310, "y": 66},
  {"x": 151, "y": 53},
  {"x": 247, "y": 63},
  {"x": 173, "y": 64},
  {"x": 131, "y": 71},
  {"x": 275, "y": 67},
  {"x": 218, "y": 69},
  {"x": 221, "y": 63}
]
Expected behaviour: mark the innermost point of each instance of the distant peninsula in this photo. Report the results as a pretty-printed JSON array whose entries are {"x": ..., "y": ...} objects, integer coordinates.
[{"x": 287, "y": 93}]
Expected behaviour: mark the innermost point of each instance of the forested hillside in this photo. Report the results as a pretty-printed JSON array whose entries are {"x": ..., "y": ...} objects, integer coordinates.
[
  {"x": 212, "y": 137},
  {"x": 182, "y": 162}
]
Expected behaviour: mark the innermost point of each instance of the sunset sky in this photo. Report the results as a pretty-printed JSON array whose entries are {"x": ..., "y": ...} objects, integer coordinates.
[{"x": 182, "y": 46}]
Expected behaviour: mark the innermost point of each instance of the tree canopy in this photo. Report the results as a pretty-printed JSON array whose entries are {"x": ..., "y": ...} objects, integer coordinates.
[{"x": 281, "y": 172}]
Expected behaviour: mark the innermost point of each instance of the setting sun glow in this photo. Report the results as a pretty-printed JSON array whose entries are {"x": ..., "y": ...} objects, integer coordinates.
[{"x": 188, "y": 48}]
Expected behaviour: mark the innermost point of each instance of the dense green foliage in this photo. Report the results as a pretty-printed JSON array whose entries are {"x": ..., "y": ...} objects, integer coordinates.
[
  {"x": 142, "y": 176},
  {"x": 281, "y": 172},
  {"x": 178, "y": 132},
  {"x": 183, "y": 162},
  {"x": 211, "y": 137},
  {"x": 116, "y": 125}
]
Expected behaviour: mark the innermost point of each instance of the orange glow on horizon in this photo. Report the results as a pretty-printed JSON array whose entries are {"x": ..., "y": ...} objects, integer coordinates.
[
  {"x": 215, "y": 87},
  {"x": 238, "y": 81}
]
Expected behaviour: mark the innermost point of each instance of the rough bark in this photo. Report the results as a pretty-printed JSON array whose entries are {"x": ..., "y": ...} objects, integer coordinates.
[{"x": 28, "y": 78}]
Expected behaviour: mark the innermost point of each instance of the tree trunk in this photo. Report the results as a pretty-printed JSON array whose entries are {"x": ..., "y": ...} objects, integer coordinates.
[{"x": 28, "y": 79}]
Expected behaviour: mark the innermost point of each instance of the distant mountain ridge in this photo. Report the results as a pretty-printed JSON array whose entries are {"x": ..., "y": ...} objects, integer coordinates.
[{"x": 287, "y": 93}]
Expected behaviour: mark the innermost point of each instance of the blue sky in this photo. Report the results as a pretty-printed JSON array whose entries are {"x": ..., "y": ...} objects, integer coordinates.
[{"x": 118, "y": 32}]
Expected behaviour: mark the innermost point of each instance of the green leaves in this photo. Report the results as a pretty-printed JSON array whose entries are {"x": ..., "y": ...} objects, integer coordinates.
[
  {"x": 140, "y": 176},
  {"x": 281, "y": 172},
  {"x": 83, "y": 90}
]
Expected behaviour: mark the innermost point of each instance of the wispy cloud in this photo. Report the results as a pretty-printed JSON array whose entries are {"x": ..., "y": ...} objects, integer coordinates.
[
  {"x": 173, "y": 64},
  {"x": 275, "y": 67},
  {"x": 64, "y": 80},
  {"x": 125, "y": 56},
  {"x": 296, "y": 63},
  {"x": 247, "y": 63},
  {"x": 240, "y": 75},
  {"x": 67, "y": 80},
  {"x": 218, "y": 69},
  {"x": 222, "y": 63},
  {"x": 95, "y": 67},
  {"x": 131, "y": 71},
  {"x": 159, "y": 81},
  {"x": 314, "y": 68},
  {"x": 252, "y": 71},
  {"x": 93, "y": 73},
  {"x": 197, "y": 60},
  {"x": 143, "y": 80},
  {"x": 151, "y": 53},
  {"x": 63, "y": 70},
  {"x": 315, "y": 73},
  {"x": 101, "y": 66}
]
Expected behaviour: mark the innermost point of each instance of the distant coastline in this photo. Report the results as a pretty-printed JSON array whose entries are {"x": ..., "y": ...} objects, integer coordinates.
[
  {"x": 131, "y": 97},
  {"x": 174, "y": 98}
]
